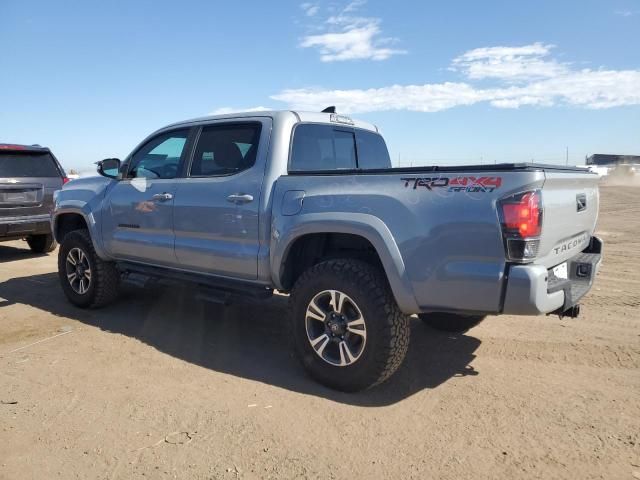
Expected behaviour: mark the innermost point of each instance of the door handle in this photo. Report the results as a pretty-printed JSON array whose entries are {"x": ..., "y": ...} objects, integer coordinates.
[
  {"x": 162, "y": 197},
  {"x": 240, "y": 198}
]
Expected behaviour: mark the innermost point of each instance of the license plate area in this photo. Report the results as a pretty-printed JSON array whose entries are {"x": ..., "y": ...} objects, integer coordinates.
[
  {"x": 17, "y": 197},
  {"x": 20, "y": 196},
  {"x": 561, "y": 271}
]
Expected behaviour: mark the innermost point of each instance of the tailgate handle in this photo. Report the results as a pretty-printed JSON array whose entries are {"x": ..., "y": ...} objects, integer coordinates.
[{"x": 581, "y": 202}]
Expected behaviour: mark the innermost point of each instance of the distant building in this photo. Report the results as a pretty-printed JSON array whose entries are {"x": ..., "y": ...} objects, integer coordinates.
[{"x": 608, "y": 159}]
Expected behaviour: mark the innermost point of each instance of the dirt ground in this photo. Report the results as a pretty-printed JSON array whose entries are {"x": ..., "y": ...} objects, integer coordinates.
[{"x": 163, "y": 385}]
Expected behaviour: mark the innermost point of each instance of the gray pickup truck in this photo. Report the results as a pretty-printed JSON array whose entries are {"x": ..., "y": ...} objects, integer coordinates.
[{"x": 308, "y": 204}]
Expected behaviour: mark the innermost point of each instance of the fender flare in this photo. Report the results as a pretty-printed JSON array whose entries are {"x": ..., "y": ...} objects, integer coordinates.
[
  {"x": 89, "y": 219},
  {"x": 286, "y": 230}
]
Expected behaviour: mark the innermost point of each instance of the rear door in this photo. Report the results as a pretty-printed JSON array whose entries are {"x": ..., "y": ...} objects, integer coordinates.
[
  {"x": 28, "y": 179},
  {"x": 138, "y": 217},
  {"x": 216, "y": 210}
]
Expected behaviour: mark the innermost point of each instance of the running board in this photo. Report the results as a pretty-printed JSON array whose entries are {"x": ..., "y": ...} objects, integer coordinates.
[{"x": 215, "y": 289}]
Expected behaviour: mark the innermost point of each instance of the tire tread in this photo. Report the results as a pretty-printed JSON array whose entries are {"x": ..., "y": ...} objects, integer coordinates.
[
  {"x": 43, "y": 243},
  {"x": 395, "y": 329},
  {"x": 107, "y": 277}
]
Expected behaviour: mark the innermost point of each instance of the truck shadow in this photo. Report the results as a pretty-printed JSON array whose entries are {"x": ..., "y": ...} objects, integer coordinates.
[
  {"x": 248, "y": 340},
  {"x": 9, "y": 253}
]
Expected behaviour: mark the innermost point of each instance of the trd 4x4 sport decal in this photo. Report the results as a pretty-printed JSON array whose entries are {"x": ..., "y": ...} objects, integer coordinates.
[{"x": 455, "y": 184}]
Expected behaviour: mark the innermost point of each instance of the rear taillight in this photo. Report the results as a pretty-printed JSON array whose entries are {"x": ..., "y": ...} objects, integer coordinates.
[
  {"x": 522, "y": 214},
  {"x": 65, "y": 180},
  {"x": 521, "y": 221}
]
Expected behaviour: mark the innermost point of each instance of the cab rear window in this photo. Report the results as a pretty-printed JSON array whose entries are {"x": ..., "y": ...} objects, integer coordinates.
[
  {"x": 328, "y": 147},
  {"x": 27, "y": 164}
]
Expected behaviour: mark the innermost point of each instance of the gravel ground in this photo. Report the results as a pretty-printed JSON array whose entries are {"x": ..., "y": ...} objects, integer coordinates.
[{"x": 163, "y": 385}]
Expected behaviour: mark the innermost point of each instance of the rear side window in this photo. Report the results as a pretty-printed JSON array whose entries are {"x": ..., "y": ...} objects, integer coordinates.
[
  {"x": 325, "y": 147},
  {"x": 225, "y": 149},
  {"x": 322, "y": 147},
  {"x": 27, "y": 164},
  {"x": 372, "y": 151}
]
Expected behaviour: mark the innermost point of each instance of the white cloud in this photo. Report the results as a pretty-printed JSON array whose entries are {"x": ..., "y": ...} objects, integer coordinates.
[
  {"x": 353, "y": 6},
  {"x": 509, "y": 63},
  {"x": 522, "y": 76},
  {"x": 357, "y": 41},
  {"x": 423, "y": 98},
  {"x": 309, "y": 9},
  {"x": 348, "y": 37},
  {"x": 227, "y": 110},
  {"x": 625, "y": 13}
]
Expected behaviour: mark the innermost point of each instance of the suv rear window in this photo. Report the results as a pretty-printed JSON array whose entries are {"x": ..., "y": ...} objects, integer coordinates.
[
  {"x": 328, "y": 147},
  {"x": 27, "y": 164}
]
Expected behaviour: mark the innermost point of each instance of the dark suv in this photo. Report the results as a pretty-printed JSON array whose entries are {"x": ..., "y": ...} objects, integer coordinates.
[{"x": 28, "y": 177}]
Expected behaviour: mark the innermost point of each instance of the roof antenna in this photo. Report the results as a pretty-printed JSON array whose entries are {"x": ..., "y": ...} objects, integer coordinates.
[{"x": 331, "y": 109}]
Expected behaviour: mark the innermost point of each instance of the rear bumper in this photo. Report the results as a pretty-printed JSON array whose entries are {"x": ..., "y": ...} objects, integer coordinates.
[
  {"x": 17, "y": 227},
  {"x": 534, "y": 289}
]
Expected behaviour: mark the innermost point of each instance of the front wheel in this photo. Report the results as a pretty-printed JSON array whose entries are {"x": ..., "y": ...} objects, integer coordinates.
[
  {"x": 86, "y": 279},
  {"x": 451, "y": 322},
  {"x": 348, "y": 330}
]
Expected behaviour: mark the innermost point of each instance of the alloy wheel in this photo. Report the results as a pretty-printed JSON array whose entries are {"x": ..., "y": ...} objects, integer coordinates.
[
  {"x": 336, "y": 328},
  {"x": 78, "y": 271}
]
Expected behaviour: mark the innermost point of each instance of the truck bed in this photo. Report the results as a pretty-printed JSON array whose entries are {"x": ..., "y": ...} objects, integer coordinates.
[
  {"x": 444, "y": 222},
  {"x": 496, "y": 167}
]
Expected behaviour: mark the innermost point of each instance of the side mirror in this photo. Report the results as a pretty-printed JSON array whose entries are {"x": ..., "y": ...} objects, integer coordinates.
[{"x": 109, "y": 167}]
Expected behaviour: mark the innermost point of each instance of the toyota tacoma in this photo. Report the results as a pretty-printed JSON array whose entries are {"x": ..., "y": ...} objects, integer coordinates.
[{"x": 309, "y": 204}]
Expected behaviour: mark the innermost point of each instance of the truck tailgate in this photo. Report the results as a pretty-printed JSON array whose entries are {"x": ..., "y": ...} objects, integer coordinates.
[{"x": 570, "y": 201}]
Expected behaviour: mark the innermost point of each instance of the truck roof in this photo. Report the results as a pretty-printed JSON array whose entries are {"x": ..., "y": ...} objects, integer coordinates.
[{"x": 303, "y": 116}]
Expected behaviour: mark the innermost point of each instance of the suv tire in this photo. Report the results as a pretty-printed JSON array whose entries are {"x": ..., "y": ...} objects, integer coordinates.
[
  {"x": 451, "y": 322},
  {"x": 347, "y": 328},
  {"x": 86, "y": 279},
  {"x": 41, "y": 243}
]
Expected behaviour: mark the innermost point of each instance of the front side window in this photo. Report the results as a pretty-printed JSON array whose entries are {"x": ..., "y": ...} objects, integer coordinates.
[
  {"x": 225, "y": 149},
  {"x": 160, "y": 157},
  {"x": 322, "y": 147}
]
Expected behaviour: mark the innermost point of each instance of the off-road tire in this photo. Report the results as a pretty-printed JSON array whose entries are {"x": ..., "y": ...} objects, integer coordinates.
[
  {"x": 387, "y": 327},
  {"x": 44, "y": 243},
  {"x": 451, "y": 322},
  {"x": 105, "y": 278}
]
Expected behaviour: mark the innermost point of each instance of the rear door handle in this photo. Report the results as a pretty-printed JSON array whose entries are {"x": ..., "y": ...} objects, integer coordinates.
[
  {"x": 240, "y": 198},
  {"x": 162, "y": 197}
]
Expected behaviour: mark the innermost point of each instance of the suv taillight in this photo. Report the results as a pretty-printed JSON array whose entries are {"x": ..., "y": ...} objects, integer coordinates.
[
  {"x": 521, "y": 221},
  {"x": 65, "y": 180}
]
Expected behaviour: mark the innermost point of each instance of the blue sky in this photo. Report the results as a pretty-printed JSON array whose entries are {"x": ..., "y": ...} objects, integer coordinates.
[{"x": 447, "y": 82}]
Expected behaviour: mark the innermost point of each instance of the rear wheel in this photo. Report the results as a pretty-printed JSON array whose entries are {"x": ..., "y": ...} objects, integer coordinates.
[
  {"x": 451, "y": 322},
  {"x": 41, "y": 243},
  {"x": 348, "y": 330},
  {"x": 86, "y": 279}
]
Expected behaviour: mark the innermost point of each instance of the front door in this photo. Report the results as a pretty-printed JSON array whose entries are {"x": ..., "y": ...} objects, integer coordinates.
[
  {"x": 217, "y": 204},
  {"x": 138, "y": 213}
]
